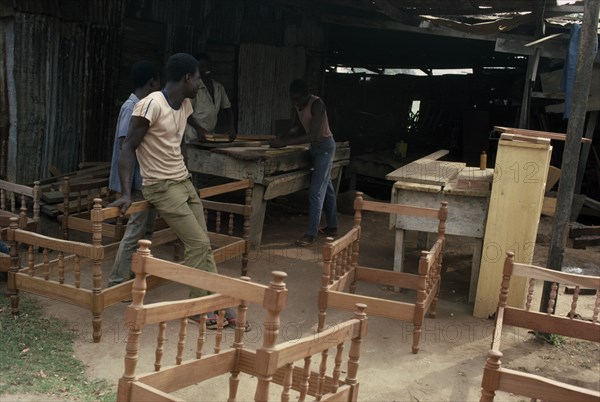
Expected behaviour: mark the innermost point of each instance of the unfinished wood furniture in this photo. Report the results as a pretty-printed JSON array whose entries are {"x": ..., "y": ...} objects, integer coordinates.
[
  {"x": 228, "y": 223},
  {"x": 71, "y": 271},
  {"x": 14, "y": 199},
  {"x": 13, "y": 203},
  {"x": 425, "y": 183},
  {"x": 78, "y": 201},
  {"x": 513, "y": 215},
  {"x": 273, "y": 363},
  {"x": 275, "y": 172},
  {"x": 573, "y": 324},
  {"x": 341, "y": 271}
]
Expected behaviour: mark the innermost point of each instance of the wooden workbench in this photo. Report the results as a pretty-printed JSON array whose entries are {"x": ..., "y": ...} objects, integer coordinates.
[
  {"x": 275, "y": 172},
  {"x": 425, "y": 183}
]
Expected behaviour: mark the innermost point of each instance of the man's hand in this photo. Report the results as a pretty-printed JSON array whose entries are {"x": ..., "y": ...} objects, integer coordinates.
[
  {"x": 124, "y": 202},
  {"x": 277, "y": 143}
]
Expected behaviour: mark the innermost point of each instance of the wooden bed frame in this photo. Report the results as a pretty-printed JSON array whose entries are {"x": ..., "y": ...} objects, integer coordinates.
[
  {"x": 271, "y": 364},
  {"x": 226, "y": 243},
  {"x": 13, "y": 204},
  {"x": 341, "y": 271},
  {"x": 65, "y": 263},
  {"x": 496, "y": 378}
]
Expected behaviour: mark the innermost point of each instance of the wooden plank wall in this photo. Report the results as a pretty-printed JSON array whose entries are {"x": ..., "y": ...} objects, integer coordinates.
[
  {"x": 265, "y": 73},
  {"x": 76, "y": 58},
  {"x": 65, "y": 85}
]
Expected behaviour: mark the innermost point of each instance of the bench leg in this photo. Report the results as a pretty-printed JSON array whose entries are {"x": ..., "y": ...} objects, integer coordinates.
[{"x": 257, "y": 220}]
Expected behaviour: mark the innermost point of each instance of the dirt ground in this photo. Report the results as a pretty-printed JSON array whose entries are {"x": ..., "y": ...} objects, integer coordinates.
[{"x": 453, "y": 346}]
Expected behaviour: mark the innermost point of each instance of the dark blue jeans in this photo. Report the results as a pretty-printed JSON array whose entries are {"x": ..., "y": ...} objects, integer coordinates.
[{"x": 321, "y": 194}]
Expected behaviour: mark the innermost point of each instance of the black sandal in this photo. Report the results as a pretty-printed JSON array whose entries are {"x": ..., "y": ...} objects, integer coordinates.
[
  {"x": 329, "y": 231},
  {"x": 305, "y": 241}
]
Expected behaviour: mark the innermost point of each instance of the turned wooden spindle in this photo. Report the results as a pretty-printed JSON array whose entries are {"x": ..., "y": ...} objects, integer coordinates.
[
  {"x": 160, "y": 345},
  {"x": 354, "y": 353}
]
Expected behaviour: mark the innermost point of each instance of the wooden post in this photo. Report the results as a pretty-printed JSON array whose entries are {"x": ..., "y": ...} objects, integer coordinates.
[
  {"x": 566, "y": 186},
  {"x": 532, "y": 66},
  {"x": 585, "y": 150}
]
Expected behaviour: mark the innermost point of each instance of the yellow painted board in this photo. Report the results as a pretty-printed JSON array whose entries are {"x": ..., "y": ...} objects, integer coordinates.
[{"x": 512, "y": 221}]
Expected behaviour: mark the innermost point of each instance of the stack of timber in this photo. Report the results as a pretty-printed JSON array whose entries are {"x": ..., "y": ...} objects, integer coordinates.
[
  {"x": 584, "y": 236},
  {"x": 52, "y": 196}
]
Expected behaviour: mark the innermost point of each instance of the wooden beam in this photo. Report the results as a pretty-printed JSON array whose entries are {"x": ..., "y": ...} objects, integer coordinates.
[
  {"x": 566, "y": 186},
  {"x": 532, "y": 66},
  {"x": 585, "y": 150},
  {"x": 395, "y": 13},
  {"x": 536, "y": 133}
]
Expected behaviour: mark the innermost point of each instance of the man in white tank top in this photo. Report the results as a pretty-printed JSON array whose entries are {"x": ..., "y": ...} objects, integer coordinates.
[{"x": 311, "y": 125}]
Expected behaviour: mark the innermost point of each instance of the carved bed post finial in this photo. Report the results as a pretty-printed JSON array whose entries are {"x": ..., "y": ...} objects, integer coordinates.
[
  {"x": 358, "y": 208},
  {"x": 442, "y": 216},
  {"x": 13, "y": 292},
  {"x": 354, "y": 353},
  {"x": 490, "y": 384},
  {"x": 508, "y": 269}
]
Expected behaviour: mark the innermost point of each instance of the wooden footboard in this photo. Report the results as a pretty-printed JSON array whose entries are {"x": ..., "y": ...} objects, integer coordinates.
[
  {"x": 581, "y": 325},
  {"x": 273, "y": 363},
  {"x": 342, "y": 272}
]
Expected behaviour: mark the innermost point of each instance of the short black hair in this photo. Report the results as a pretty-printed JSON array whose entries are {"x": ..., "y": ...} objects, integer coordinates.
[
  {"x": 203, "y": 56},
  {"x": 142, "y": 72},
  {"x": 179, "y": 65},
  {"x": 298, "y": 87}
]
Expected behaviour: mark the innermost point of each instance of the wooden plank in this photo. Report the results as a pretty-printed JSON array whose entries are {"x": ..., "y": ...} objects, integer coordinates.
[
  {"x": 66, "y": 246},
  {"x": 143, "y": 392},
  {"x": 517, "y": 44},
  {"x": 586, "y": 241},
  {"x": 512, "y": 220},
  {"x": 543, "y": 389},
  {"x": 252, "y": 292},
  {"x": 223, "y": 188},
  {"x": 377, "y": 307},
  {"x": 432, "y": 172},
  {"x": 584, "y": 231},
  {"x": 297, "y": 349},
  {"x": 16, "y": 188},
  {"x": 548, "y": 206},
  {"x": 390, "y": 278},
  {"x": 172, "y": 378},
  {"x": 552, "y": 178},
  {"x": 536, "y": 133},
  {"x": 288, "y": 183},
  {"x": 54, "y": 290}
]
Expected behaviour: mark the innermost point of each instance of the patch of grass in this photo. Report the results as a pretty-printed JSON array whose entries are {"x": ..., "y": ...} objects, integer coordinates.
[
  {"x": 37, "y": 357},
  {"x": 552, "y": 339}
]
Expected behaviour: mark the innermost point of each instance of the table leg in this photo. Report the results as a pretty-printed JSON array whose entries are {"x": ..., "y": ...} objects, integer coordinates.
[
  {"x": 338, "y": 180},
  {"x": 478, "y": 246},
  {"x": 399, "y": 253},
  {"x": 257, "y": 220}
]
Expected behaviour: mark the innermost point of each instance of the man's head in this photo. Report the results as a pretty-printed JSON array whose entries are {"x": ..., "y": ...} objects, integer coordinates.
[
  {"x": 204, "y": 64},
  {"x": 299, "y": 93},
  {"x": 144, "y": 74},
  {"x": 182, "y": 68}
]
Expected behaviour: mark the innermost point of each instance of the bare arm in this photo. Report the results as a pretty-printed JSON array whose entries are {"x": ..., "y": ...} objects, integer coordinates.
[
  {"x": 199, "y": 129},
  {"x": 138, "y": 126},
  {"x": 318, "y": 113}
]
